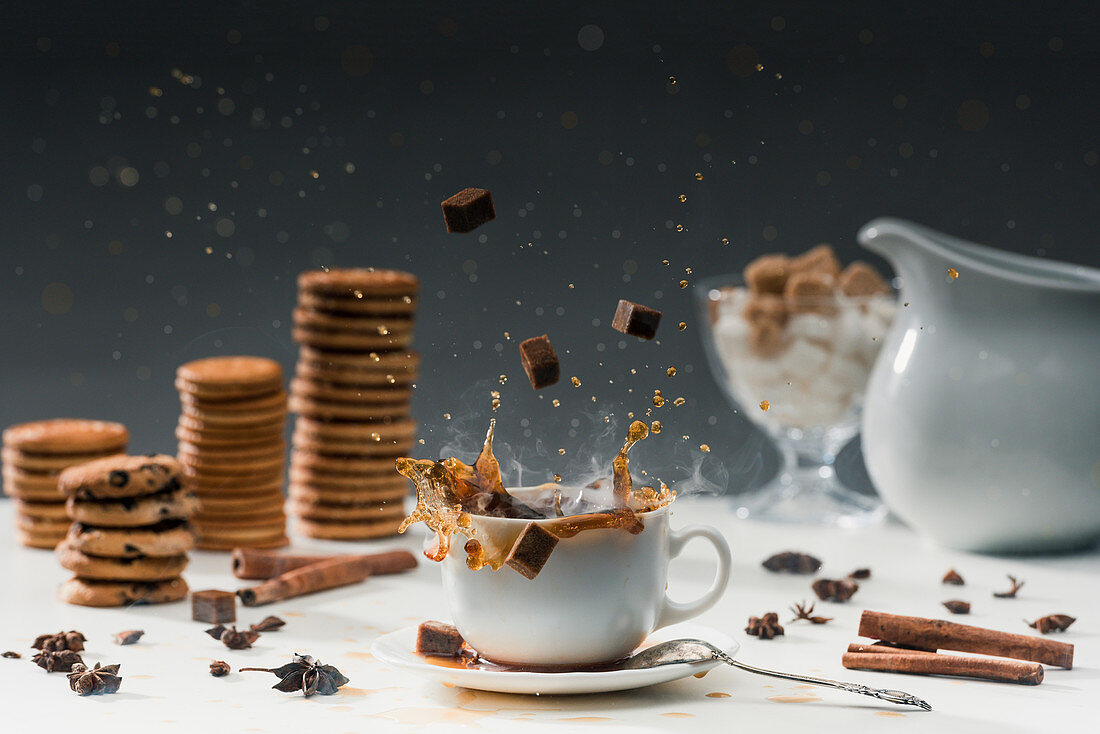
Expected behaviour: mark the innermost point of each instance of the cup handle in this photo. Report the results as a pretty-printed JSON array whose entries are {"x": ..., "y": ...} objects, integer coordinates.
[{"x": 671, "y": 611}]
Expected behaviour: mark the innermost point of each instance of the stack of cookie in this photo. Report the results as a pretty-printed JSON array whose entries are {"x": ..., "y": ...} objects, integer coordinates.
[
  {"x": 352, "y": 394},
  {"x": 233, "y": 451},
  {"x": 34, "y": 454},
  {"x": 129, "y": 539}
]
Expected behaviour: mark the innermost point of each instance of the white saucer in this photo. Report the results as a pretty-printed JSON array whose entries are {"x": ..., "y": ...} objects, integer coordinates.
[{"x": 399, "y": 649}]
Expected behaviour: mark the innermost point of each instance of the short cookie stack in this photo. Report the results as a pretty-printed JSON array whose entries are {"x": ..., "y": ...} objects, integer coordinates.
[
  {"x": 129, "y": 539},
  {"x": 352, "y": 395},
  {"x": 233, "y": 451},
  {"x": 34, "y": 454}
]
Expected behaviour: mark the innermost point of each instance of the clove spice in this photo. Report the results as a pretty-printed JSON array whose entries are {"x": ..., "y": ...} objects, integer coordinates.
[
  {"x": 802, "y": 611},
  {"x": 1011, "y": 593}
]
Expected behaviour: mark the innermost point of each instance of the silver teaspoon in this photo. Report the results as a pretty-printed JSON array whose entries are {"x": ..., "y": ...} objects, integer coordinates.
[{"x": 692, "y": 651}]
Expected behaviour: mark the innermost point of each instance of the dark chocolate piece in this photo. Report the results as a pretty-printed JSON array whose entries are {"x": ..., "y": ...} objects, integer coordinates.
[
  {"x": 439, "y": 638},
  {"x": 468, "y": 209},
  {"x": 540, "y": 362},
  {"x": 636, "y": 319},
  {"x": 213, "y": 606},
  {"x": 531, "y": 550}
]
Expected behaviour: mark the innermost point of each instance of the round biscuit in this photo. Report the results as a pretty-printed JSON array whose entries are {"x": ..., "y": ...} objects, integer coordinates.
[
  {"x": 148, "y": 568},
  {"x": 317, "y": 478},
  {"x": 347, "y": 511},
  {"x": 328, "y": 339},
  {"x": 230, "y": 439},
  {"x": 340, "y": 530},
  {"x": 229, "y": 377},
  {"x": 330, "y": 391},
  {"x": 169, "y": 538},
  {"x": 66, "y": 436},
  {"x": 343, "y": 464},
  {"x": 134, "y": 511},
  {"x": 40, "y": 540},
  {"x": 373, "y": 305},
  {"x": 89, "y": 593},
  {"x": 259, "y": 540},
  {"x": 120, "y": 476},
  {"x": 322, "y": 410},
  {"x": 45, "y": 463},
  {"x": 205, "y": 464},
  {"x": 199, "y": 417},
  {"x": 320, "y": 494},
  {"x": 42, "y": 510},
  {"x": 362, "y": 447},
  {"x": 359, "y": 282}
]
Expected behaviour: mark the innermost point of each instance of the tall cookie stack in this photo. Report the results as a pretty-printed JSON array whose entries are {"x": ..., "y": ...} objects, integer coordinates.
[
  {"x": 129, "y": 539},
  {"x": 233, "y": 451},
  {"x": 34, "y": 454},
  {"x": 352, "y": 395}
]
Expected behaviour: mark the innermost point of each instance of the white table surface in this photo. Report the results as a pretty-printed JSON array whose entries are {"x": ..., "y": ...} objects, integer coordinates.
[{"x": 166, "y": 682}]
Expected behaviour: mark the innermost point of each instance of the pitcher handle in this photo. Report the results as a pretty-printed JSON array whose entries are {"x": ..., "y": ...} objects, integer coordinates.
[{"x": 672, "y": 611}]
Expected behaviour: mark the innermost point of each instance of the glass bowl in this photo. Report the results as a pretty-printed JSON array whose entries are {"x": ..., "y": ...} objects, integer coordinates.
[{"x": 798, "y": 369}]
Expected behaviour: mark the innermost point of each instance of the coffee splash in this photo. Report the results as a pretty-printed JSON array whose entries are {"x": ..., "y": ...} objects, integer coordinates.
[{"x": 448, "y": 492}]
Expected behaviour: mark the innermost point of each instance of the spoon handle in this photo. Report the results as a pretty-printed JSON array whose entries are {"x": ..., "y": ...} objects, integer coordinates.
[{"x": 886, "y": 694}]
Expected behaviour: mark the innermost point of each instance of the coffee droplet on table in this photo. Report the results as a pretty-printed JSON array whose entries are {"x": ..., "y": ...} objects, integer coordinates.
[
  {"x": 952, "y": 273},
  {"x": 764, "y": 405}
]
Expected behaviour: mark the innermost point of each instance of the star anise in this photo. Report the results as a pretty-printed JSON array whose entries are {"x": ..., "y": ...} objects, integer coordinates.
[
  {"x": 93, "y": 681},
  {"x": 1052, "y": 623},
  {"x": 792, "y": 562},
  {"x": 765, "y": 627},
  {"x": 267, "y": 624},
  {"x": 802, "y": 611},
  {"x": 129, "y": 637},
  {"x": 307, "y": 674},
  {"x": 232, "y": 638},
  {"x": 71, "y": 640},
  {"x": 952, "y": 577},
  {"x": 57, "y": 660},
  {"x": 218, "y": 668},
  {"x": 834, "y": 589},
  {"x": 1011, "y": 593}
]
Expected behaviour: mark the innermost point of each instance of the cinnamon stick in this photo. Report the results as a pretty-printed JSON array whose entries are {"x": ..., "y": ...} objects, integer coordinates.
[
  {"x": 931, "y": 663},
  {"x": 327, "y": 574},
  {"x": 938, "y": 634},
  {"x": 258, "y": 564},
  {"x": 878, "y": 648}
]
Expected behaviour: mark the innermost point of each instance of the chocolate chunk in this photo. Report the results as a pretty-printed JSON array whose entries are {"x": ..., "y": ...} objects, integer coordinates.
[
  {"x": 438, "y": 638},
  {"x": 809, "y": 293},
  {"x": 213, "y": 606},
  {"x": 540, "y": 362},
  {"x": 118, "y": 478},
  {"x": 129, "y": 637},
  {"x": 820, "y": 259},
  {"x": 468, "y": 209},
  {"x": 531, "y": 550},
  {"x": 636, "y": 319}
]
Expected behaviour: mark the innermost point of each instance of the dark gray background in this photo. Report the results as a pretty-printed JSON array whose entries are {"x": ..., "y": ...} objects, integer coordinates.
[{"x": 860, "y": 111}]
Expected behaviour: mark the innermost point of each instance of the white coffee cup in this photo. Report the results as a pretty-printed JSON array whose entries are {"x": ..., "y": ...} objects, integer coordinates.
[{"x": 597, "y": 598}]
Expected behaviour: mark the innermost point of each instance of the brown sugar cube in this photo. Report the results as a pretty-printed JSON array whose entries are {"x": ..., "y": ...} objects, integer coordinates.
[
  {"x": 810, "y": 293},
  {"x": 766, "y": 338},
  {"x": 765, "y": 307},
  {"x": 540, "y": 361},
  {"x": 636, "y": 320},
  {"x": 820, "y": 259},
  {"x": 213, "y": 606},
  {"x": 767, "y": 274},
  {"x": 861, "y": 279},
  {"x": 437, "y": 638},
  {"x": 531, "y": 550},
  {"x": 468, "y": 209}
]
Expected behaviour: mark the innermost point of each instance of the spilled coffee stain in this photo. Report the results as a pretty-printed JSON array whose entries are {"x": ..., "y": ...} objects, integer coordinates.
[
  {"x": 358, "y": 655},
  {"x": 354, "y": 692},
  {"x": 140, "y": 677},
  {"x": 701, "y": 675},
  {"x": 293, "y": 614},
  {"x": 890, "y": 714},
  {"x": 793, "y": 699},
  {"x": 677, "y": 715},
  {"x": 810, "y": 687},
  {"x": 341, "y": 708},
  {"x": 423, "y": 716},
  {"x": 351, "y": 640},
  {"x": 587, "y": 719},
  {"x": 489, "y": 701},
  {"x": 718, "y": 694},
  {"x": 448, "y": 684}
]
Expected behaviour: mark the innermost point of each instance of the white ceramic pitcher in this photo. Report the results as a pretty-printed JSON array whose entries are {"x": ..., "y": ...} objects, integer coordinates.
[{"x": 981, "y": 425}]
